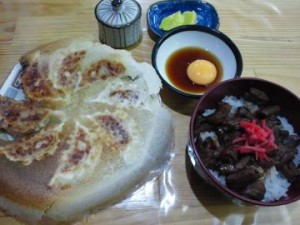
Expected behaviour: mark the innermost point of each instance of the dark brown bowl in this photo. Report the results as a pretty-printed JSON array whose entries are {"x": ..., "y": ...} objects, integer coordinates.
[{"x": 290, "y": 108}]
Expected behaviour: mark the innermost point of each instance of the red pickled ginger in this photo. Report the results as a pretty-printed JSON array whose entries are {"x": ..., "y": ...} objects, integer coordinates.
[{"x": 256, "y": 138}]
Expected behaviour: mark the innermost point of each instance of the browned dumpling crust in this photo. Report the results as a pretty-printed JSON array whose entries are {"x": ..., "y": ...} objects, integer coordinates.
[{"x": 82, "y": 136}]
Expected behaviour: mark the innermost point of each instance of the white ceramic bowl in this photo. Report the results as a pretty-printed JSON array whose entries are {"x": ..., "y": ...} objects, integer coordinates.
[{"x": 217, "y": 43}]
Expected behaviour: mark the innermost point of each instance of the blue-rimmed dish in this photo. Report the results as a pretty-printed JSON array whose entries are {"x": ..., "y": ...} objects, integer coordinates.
[{"x": 206, "y": 13}]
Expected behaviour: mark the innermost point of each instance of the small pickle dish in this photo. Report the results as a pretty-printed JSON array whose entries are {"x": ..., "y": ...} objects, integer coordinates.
[{"x": 206, "y": 14}]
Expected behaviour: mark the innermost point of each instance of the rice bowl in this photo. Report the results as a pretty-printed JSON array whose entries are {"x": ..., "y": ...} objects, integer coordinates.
[
  {"x": 276, "y": 184},
  {"x": 283, "y": 191}
]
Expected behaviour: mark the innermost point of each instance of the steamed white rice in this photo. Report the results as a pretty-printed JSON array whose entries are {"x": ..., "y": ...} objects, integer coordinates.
[
  {"x": 286, "y": 125},
  {"x": 206, "y": 134},
  {"x": 235, "y": 103},
  {"x": 219, "y": 177},
  {"x": 276, "y": 184},
  {"x": 208, "y": 112},
  {"x": 297, "y": 157}
]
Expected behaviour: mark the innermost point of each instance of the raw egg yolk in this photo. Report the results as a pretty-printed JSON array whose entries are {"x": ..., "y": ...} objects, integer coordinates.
[{"x": 202, "y": 72}]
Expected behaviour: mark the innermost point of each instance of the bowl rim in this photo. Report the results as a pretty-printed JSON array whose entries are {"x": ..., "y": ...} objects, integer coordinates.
[
  {"x": 216, "y": 33},
  {"x": 207, "y": 173},
  {"x": 179, "y": 2}
]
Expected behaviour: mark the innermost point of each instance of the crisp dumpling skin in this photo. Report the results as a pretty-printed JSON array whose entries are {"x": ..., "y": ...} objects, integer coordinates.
[
  {"x": 21, "y": 117},
  {"x": 100, "y": 129}
]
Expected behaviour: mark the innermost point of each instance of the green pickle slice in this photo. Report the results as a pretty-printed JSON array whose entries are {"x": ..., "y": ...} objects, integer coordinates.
[
  {"x": 178, "y": 19},
  {"x": 172, "y": 21},
  {"x": 190, "y": 17}
]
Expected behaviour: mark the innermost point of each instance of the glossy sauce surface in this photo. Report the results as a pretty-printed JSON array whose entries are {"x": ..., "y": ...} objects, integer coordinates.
[{"x": 177, "y": 63}]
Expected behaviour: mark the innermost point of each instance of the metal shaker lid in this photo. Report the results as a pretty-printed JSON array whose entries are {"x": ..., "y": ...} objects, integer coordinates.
[{"x": 118, "y": 13}]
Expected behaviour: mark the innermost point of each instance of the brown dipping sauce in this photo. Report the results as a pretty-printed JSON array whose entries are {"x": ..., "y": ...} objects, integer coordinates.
[{"x": 178, "y": 62}]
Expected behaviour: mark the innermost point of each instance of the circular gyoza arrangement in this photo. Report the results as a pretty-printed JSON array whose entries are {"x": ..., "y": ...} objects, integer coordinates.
[{"x": 84, "y": 134}]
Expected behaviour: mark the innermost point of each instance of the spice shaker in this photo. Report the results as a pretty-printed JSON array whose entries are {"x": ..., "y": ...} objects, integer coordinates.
[{"x": 119, "y": 22}]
